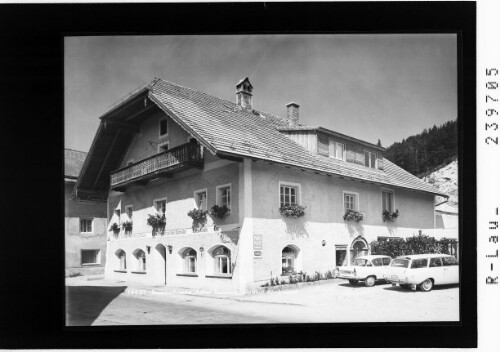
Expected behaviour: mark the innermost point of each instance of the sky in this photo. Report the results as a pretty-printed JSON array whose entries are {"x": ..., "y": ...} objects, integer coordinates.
[{"x": 371, "y": 87}]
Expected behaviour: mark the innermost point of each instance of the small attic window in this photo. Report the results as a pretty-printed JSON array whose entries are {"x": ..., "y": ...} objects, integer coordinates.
[{"x": 163, "y": 127}]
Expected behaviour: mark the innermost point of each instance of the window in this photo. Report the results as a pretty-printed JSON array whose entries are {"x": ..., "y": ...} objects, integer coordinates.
[
  {"x": 370, "y": 159},
  {"x": 386, "y": 261},
  {"x": 122, "y": 259},
  {"x": 222, "y": 258},
  {"x": 350, "y": 200},
  {"x": 288, "y": 256},
  {"x": 337, "y": 150},
  {"x": 163, "y": 147},
  {"x": 160, "y": 205},
  {"x": 141, "y": 259},
  {"x": 118, "y": 213},
  {"x": 434, "y": 262},
  {"x": 224, "y": 195},
  {"x": 385, "y": 238},
  {"x": 90, "y": 256},
  {"x": 400, "y": 263},
  {"x": 419, "y": 263},
  {"x": 448, "y": 261},
  {"x": 288, "y": 195},
  {"x": 129, "y": 211},
  {"x": 388, "y": 201},
  {"x": 163, "y": 127},
  {"x": 377, "y": 262},
  {"x": 360, "y": 262},
  {"x": 86, "y": 225},
  {"x": 200, "y": 197},
  {"x": 189, "y": 257}
]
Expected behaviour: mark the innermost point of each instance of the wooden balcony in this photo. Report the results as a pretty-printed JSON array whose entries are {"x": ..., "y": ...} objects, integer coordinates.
[{"x": 159, "y": 165}]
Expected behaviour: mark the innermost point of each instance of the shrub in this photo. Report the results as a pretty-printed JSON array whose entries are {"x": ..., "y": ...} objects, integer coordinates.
[
  {"x": 388, "y": 216},
  {"x": 420, "y": 244},
  {"x": 329, "y": 274},
  {"x": 287, "y": 270},
  {"x": 317, "y": 276},
  {"x": 156, "y": 222},
  {"x": 292, "y": 210},
  {"x": 127, "y": 226},
  {"x": 198, "y": 214},
  {"x": 219, "y": 211},
  {"x": 115, "y": 228},
  {"x": 283, "y": 282},
  {"x": 353, "y": 215}
]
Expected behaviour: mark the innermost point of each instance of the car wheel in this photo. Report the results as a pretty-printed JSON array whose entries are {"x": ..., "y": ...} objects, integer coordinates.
[
  {"x": 353, "y": 282},
  {"x": 426, "y": 286},
  {"x": 370, "y": 281},
  {"x": 405, "y": 286}
]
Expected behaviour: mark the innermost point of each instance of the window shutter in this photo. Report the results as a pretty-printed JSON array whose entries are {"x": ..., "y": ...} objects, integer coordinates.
[
  {"x": 380, "y": 163},
  {"x": 323, "y": 145}
]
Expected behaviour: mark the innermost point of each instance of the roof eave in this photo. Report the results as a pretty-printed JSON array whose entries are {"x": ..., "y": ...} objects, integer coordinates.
[{"x": 329, "y": 173}]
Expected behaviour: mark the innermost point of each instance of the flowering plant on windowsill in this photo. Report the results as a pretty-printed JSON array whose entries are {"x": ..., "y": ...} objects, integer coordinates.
[
  {"x": 157, "y": 222},
  {"x": 292, "y": 210},
  {"x": 219, "y": 211},
  {"x": 388, "y": 216},
  {"x": 198, "y": 214},
  {"x": 127, "y": 226},
  {"x": 353, "y": 215},
  {"x": 115, "y": 228}
]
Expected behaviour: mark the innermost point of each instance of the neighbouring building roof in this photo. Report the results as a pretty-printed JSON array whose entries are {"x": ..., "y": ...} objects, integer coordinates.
[
  {"x": 73, "y": 162},
  {"x": 226, "y": 128}
]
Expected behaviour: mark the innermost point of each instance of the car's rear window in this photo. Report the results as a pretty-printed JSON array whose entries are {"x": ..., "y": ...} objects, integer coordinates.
[
  {"x": 401, "y": 263},
  {"x": 386, "y": 261},
  {"x": 418, "y": 263},
  {"x": 377, "y": 261},
  {"x": 360, "y": 262}
]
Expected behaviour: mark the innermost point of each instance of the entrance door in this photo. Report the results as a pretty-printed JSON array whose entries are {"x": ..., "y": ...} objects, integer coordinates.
[
  {"x": 340, "y": 255},
  {"x": 359, "y": 247},
  {"x": 161, "y": 264}
]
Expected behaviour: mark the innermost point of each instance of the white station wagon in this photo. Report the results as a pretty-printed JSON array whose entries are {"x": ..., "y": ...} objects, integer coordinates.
[
  {"x": 423, "y": 271},
  {"x": 367, "y": 268}
]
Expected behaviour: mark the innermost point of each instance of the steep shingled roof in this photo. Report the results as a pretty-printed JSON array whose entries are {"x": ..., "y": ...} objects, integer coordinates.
[
  {"x": 227, "y": 128},
  {"x": 73, "y": 162}
]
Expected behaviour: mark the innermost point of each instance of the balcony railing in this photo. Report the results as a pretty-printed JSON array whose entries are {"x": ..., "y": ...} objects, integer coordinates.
[{"x": 177, "y": 158}]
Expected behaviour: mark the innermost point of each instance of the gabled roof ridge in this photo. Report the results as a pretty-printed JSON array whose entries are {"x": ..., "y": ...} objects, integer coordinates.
[
  {"x": 220, "y": 99},
  {"x": 198, "y": 91}
]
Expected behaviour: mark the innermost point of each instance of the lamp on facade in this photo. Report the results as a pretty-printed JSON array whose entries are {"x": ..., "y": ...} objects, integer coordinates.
[
  {"x": 169, "y": 249},
  {"x": 323, "y": 243},
  {"x": 148, "y": 248},
  {"x": 202, "y": 250}
]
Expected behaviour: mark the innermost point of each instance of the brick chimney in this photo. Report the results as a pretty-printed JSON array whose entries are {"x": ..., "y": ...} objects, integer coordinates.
[
  {"x": 292, "y": 112},
  {"x": 244, "y": 94}
]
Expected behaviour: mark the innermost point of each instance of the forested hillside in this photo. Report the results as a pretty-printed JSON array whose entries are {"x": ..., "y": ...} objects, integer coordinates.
[{"x": 425, "y": 152}]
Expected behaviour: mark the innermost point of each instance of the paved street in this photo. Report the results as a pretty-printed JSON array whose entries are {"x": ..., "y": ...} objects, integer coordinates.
[{"x": 108, "y": 303}]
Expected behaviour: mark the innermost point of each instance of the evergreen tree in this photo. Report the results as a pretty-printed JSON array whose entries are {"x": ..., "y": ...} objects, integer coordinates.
[{"x": 425, "y": 152}]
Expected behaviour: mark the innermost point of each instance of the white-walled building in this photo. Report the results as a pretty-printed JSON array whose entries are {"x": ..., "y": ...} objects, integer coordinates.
[{"x": 167, "y": 150}]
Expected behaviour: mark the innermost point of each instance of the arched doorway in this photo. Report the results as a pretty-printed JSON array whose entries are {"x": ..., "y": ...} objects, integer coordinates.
[
  {"x": 160, "y": 267},
  {"x": 359, "y": 247}
]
